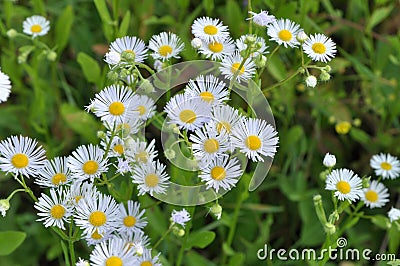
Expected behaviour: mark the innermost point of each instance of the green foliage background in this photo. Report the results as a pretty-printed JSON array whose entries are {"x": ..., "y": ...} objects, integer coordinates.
[{"x": 48, "y": 99}]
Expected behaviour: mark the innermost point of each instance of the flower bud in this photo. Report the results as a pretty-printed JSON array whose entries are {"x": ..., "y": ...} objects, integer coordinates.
[
  {"x": 101, "y": 135},
  {"x": 301, "y": 37},
  {"x": 324, "y": 76},
  {"x": 329, "y": 160},
  {"x": 128, "y": 56},
  {"x": 216, "y": 209},
  {"x": 196, "y": 43},
  {"x": 4, "y": 206},
  {"x": 169, "y": 154},
  {"x": 11, "y": 33},
  {"x": 112, "y": 76},
  {"x": 261, "y": 61},
  {"x": 311, "y": 81},
  {"x": 51, "y": 56},
  {"x": 329, "y": 228}
]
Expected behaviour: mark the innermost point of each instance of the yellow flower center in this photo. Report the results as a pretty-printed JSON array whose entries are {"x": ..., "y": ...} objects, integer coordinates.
[
  {"x": 57, "y": 211},
  {"x": 130, "y": 51},
  {"x": 187, "y": 116},
  {"x": 129, "y": 221},
  {"x": 141, "y": 156},
  {"x": 318, "y": 48},
  {"x": 20, "y": 160},
  {"x": 119, "y": 148},
  {"x": 343, "y": 127},
  {"x": 343, "y": 187},
  {"x": 141, "y": 109},
  {"x": 224, "y": 125},
  {"x": 151, "y": 180},
  {"x": 97, "y": 218},
  {"x": 114, "y": 261},
  {"x": 211, "y": 145},
  {"x": 371, "y": 196},
  {"x": 116, "y": 108},
  {"x": 90, "y": 167},
  {"x": 235, "y": 67},
  {"x": 285, "y": 35},
  {"x": 58, "y": 178},
  {"x": 216, "y": 47},
  {"x": 218, "y": 173},
  {"x": 165, "y": 50},
  {"x": 253, "y": 142},
  {"x": 207, "y": 96},
  {"x": 36, "y": 28},
  {"x": 96, "y": 235},
  {"x": 386, "y": 166},
  {"x": 210, "y": 30}
]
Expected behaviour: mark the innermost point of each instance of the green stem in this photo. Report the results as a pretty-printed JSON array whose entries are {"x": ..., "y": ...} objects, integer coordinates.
[
  {"x": 250, "y": 20},
  {"x": 71, "y": 243},
  {"x": 14, "y": 192},
  {"x": 281, "y": 82},
  {"x": 162, "y": 237}
]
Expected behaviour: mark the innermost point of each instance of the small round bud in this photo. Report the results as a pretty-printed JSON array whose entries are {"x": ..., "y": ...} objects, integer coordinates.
[
  {"x": 216, "y": 209},
  {"x": 261, "y": 61},
  {"x": 11, "y": 33},
  {"x": 169, "y": 154},
  {"x": 4, "y": 206},
  {"x": 301, "y": 70},
  {"x": 324, "y": 76},
  {"x": 328, "y": 68},
  {"x": 357, "y": 122},
  {"x": 329, "y": 228},
  {"x": 301, "y": 37},
  {"x": 317, "y": 198},
  {"x": 250, "y": 39},
  {"x": 311, "y": 81},
  {"x": 51, "y": 56},
  {"x": 332, "y": 119},
  {"x": 343, "y": 127},
  {"x": 112, "y": 76},
  {"x": 181, "y": 232},
  {"x": 329, "y": 160},
  {"x": 123, "y": 73},
  {"x": 333, "y": 217},
  {"x": 366, "y": 182},
  {"x": 176, "y": 129},
  {"x": 146, "y": 86},
  {"x": 196, "y": 43}
]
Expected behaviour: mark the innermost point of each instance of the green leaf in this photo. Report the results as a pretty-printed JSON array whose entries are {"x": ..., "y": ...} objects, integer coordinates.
[
  {"x": 234, "y": 17},
  {"x": 165, "y": 20},
  {"x": 237, "y": 259},
  {"x": 193, "y": 258},
  {"x": 359, "y": 135},
  {"x": 10, "y": 240},
  {"x": 378, "y": 16},
  {"x": 90, "y": 67},
  {"x": 80, "y": 121},
  {"x": 381, "y": 221},
  {"x": 208, "y": 6},
  {"x": 201, "y": 239},
  {"x": 63, "y": 27},
  {"x": 123, "y": 28}
]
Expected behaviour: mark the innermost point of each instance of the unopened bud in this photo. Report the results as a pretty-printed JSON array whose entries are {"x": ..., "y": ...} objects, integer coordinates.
[
  {"x": 329, "y": 228},
  {"x": 216, "y": 209},
  {"x": 311, "y": 81},
  {"x": 301, "y": 37},
  {"x": 11, "y": 33},
  {"x": 324, "y": 76},
  {"x": 4, "y": 206},
  {"x": 51, "y": 56},
  {"x": 169, "y": 154},
  {"x": 101, "y": 134},
  {"x": 196, "y": 43}
]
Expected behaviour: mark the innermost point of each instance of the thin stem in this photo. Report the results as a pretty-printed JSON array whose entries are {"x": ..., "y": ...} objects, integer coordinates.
[
  {"x": 71, "y": 243},
  {"x": 162, "y": 237},
  {"x": 281, "y": 82},
  {"x": 250, "y": 20},
  {"x": 14, "y": 192}
]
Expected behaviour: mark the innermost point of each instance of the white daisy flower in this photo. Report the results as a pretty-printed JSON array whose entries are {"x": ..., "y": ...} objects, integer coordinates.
[
  {"x": 128, "y": 44},
  {"x": 319, "y": 48},
  {"x": 131, "y": 218},
  {"x": 123, "y": 166},
  {"x": 346, "y": 184},
  {"x": 208, "y": 144},
  {"x": 217, "y": 50},
  {"x": 225, "y": 118},
  {"x": 139, "y": 152},
  {"x": 187, "y": 113},
  {"x": 165, "y": 46},
  {"x": 114, "y": 104},
  {"x": 112, "y": 57},
  {"x": 150, "y": 178},
  {"x": 394, "y": 214},
  {"x": 376, "y": 195},
  {"x": 222, "y": 172},
  {"x": 54, "y": 173},
  {"x": 53, "y": 210},
  {"x": 241, "y": 45},
  {"x": 180, "y": 217},
  {"x": 82, "y": 191},
  {"x": 255, "y": 138},
  {"x": 87, "y": 162},
  {"x": 36, "y": 26},
  {"x": 261, "y": 19},
  {"x": 82, "y": 262},
  {"x": 147, "y": 260},
  {"x": 284, "y": 31},
  {"x": 96, "y": 238},
  {"x": 209, "y": 30},
  {"x": 144, "y": 107},
  {"x": 113, "y": 252},
  {"x": 101, "y": 214},
  {"x": 136, "y": 240},
  {"x": 5, "y": 87},
  {"x": 385, "y": 165},
  {"x": 21, "y": 155},
  {"x": 329, "y": 160},
  {"x": 208, "y": 88},
  {"x": 230, "y": 65}
]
